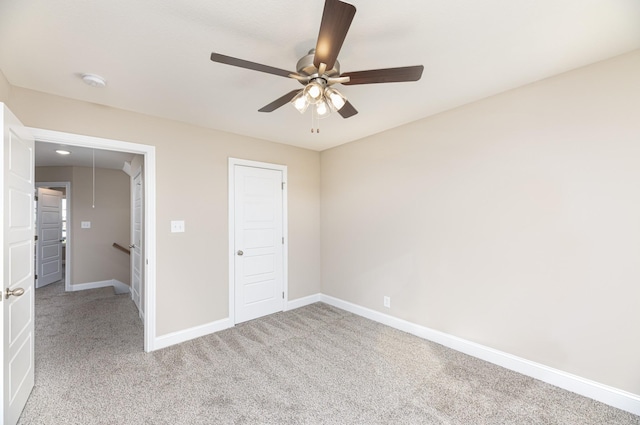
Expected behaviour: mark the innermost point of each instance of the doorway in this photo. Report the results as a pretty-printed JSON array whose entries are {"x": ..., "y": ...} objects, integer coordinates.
[
  {"x": 53, "y": 243},
  {"x": 149, "y": 218},
  {"x": 257, "y": 239}
]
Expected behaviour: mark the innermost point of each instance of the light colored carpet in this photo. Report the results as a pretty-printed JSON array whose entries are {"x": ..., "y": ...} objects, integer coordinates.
[{"x": 313, "y": 365}]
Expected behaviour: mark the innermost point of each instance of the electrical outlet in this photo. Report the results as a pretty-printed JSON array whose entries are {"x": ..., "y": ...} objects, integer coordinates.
[
  {"x": 387, "y": 302},
  {"x": 177, "y": 226}
]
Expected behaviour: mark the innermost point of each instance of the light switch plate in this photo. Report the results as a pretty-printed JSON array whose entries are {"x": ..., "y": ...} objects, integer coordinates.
[
  {"x": 177, "y": 226},
  {"x": 85, "y": 224}
]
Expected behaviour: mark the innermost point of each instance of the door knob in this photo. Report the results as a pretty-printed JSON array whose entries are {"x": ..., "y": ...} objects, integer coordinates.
[
  {"x": 240, "y": 252},
  {"x": 16, "y": 292},
  {"x": 132, "y": 246}
]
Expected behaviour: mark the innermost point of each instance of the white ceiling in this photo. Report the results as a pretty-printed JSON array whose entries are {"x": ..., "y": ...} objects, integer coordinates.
[
  {"x": 155, "y": 55},
  {"x": 80, "y": 157}
]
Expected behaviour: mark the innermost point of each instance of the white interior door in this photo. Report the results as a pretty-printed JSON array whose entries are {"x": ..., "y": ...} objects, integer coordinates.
[
  {"x": 17, "y": 266},
  {"x": 259, "y": 242},
  {"x": 136, "y": 243},
  {"x": 49, "y": 231}
]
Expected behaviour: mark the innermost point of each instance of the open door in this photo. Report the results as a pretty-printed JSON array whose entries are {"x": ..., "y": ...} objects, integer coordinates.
[
  {"x": 136, "y": 243},
  {"x": 17, "y": 234},
  {"x": 49, "y": 242}
]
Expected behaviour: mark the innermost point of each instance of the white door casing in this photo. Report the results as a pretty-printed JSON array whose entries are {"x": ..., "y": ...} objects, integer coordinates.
[
  {"x": 258, "y": 241},
  {"x": 49, "y": 231},
  {"x": 17, "y": 247},
  {"x": 149, "y": 211},
  {"x": 136, "y": 243}
]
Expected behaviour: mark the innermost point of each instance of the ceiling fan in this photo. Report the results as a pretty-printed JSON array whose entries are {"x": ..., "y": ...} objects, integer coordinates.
[{"x": 319, "y": 70}]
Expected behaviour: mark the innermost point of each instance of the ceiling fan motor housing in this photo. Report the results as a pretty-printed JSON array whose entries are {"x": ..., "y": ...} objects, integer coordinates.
[{"x": 306, "y": 67}]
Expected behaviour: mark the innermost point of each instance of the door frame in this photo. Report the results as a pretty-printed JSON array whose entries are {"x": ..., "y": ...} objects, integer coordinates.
[
  {"x": 285, "y": 229},
  {"x": 149, "y": 175},
  {"x": 67, "y": 249}
]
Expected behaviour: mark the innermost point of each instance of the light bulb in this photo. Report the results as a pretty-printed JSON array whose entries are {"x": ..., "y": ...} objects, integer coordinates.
[
  {"x": 313, "y": 92},
  {"x": 335, "y": 98},
  {"x": 299, "y": 102},
  {"x": 322, "y": 109}
]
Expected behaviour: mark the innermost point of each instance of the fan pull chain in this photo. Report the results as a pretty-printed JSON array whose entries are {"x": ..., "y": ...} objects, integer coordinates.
[{"x": 313, "y": 114}]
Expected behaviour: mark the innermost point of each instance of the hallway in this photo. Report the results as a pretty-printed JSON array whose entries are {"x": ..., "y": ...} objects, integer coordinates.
[{"x": 110, "y": 334}]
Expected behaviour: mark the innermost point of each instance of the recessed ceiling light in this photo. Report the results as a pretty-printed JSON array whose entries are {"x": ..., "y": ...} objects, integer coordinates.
[
  {"x": 94, "y": 80},
  {"x": 62, "y": 152}
]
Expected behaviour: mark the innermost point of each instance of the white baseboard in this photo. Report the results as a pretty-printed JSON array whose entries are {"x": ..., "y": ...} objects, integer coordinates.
[
  {"x": 219, "y": 325},
  {"x": 301, "y": 302},
  {"x": 612, "y": 396},
  {"x": 173, "y": 338},
  {"x": 118, "y": 287}
]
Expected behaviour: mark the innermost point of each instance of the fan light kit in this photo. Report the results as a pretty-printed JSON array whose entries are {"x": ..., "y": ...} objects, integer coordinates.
[
  {"x": 319, "y": 70},
  {"x": 94, "y": 80}
]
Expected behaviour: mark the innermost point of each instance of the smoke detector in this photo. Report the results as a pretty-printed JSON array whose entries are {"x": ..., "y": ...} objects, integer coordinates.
[{"x": 94, "y": 80}]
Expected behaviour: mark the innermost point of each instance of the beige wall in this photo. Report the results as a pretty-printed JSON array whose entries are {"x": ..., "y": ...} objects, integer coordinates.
[
  {"x": 54, "y": 174},
  {"x": 93, "y": 258},
  {"x": 513, "y": 222},
  {"x": 110, "y": 222},
  {"x": 192, "y": 267},
  {"x": 5, "y": 88}
]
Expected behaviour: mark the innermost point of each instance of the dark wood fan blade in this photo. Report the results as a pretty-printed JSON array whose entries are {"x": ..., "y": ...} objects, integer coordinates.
[
  {"x": 241, "y": 63},
  {"x": 347, "y": 110},
  {"x": 279, "y": 102},
  {"x": 388, "y": 75},
  {"x": 336, "y": 20}
]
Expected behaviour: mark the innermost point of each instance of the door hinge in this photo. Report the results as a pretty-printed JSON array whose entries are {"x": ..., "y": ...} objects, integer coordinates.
[
  {"x": 283, "y": 240},
  {"x": 35, "y": 197},
  {"x": 35, "y": 277},
  {"x": 282, "y": 185},
  {"x": 283, "y": 295},
  {"x": 35, "y": 237}
]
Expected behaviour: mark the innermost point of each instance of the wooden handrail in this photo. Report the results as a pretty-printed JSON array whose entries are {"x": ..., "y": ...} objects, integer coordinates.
[{"x": 121, "y": 248}]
